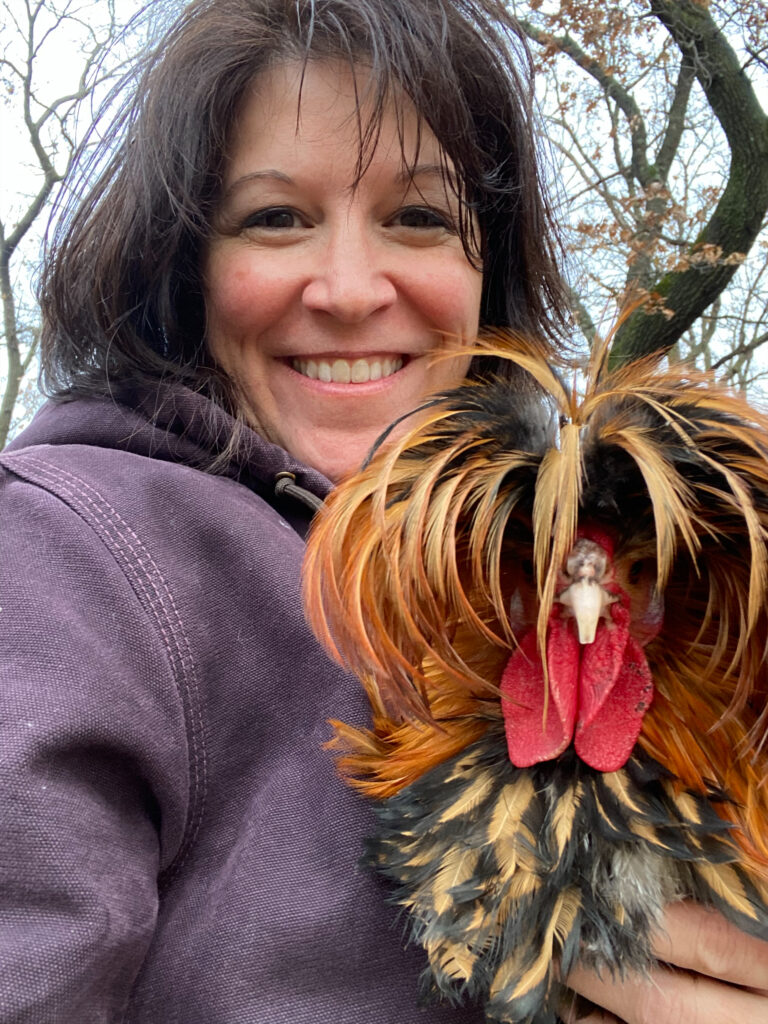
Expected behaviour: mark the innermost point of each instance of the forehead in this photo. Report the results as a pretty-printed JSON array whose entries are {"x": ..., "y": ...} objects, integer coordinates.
[{"x": 327, "y": 110}]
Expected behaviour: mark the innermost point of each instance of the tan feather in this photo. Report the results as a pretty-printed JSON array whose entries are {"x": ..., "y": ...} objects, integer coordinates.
[
  {"x": 456, "y": 867},
  {"x": 473, "y": 795},
  {"x": 557, "y": 930},
  {"x": 512, "y": 841},
  {"x": 563, "y": 816},
  {"x": 618, "y": 783},
  {"x": 724, "y": 881},
  {"x": 452, "y": 958},
  {"x": 512, "y": 803}
]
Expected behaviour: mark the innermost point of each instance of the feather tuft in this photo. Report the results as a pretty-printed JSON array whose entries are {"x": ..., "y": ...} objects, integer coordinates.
[{"x": 429, "y": 569}]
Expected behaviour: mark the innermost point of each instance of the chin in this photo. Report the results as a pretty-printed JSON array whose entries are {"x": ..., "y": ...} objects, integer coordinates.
[
  {"x": 350, "y": 457},
  {"x": 338, "y": 469}
]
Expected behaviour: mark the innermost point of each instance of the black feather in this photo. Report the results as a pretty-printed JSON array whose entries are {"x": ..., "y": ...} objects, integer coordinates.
[{"x": 631, "y": 846}]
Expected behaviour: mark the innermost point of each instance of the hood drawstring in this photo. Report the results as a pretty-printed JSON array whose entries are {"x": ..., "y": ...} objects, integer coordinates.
[{"x": 285, "y": 485}]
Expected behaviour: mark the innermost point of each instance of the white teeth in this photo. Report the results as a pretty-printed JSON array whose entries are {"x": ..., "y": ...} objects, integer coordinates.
[
  {"x": 360, "y": 371},
  {"x": 342, "y": 371}
]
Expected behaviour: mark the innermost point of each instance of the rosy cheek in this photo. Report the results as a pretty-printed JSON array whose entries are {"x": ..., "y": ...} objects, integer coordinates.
[
  {"x": 451, "y": 299},
  {"x": 229, "y": 292},
  {"x": 241, "y": 296}
]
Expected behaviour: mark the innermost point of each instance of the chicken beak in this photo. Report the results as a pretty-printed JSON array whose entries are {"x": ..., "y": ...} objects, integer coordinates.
[{"x": 588, "y": 601}]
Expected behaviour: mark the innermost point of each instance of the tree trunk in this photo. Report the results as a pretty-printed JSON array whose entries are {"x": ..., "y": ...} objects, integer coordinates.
[{"x": 681, "y": 296}]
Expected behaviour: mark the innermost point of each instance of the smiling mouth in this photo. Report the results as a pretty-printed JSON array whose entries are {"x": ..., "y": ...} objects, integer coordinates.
[{"x": 347, "y": 371}]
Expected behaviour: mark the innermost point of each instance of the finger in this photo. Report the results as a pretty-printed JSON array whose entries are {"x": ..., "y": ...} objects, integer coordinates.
[
  {"x": 701, "y": 940},
  {"x": 574, "y": 1009},
  {"x": 666, "y": 996},
  {"x": 595, "y": 1017}
]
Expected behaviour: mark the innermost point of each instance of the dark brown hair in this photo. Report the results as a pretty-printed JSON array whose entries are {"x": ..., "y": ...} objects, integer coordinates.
[{"x": 121, "y": 288}]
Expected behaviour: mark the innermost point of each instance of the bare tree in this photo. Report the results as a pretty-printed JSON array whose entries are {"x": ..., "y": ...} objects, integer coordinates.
[
  {"x": 53, "y": 62},
  {"x": 664, "y": 147}
]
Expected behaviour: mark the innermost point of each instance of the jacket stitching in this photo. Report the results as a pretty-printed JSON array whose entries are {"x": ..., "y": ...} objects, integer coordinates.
[{"x": 174, "y": 638}]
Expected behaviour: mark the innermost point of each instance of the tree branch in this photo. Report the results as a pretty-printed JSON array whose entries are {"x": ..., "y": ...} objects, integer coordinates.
[
  {"x": 642, "y": 170},
  {"x": 742, "y": 350},
  {"x": 676, "y": 119}
]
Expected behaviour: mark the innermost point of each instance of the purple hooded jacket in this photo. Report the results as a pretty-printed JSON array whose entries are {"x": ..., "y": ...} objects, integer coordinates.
[{"x": 175, "y": 847}]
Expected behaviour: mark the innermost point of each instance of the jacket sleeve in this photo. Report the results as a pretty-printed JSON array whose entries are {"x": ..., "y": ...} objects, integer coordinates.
[{"x": 94, "y": 765}]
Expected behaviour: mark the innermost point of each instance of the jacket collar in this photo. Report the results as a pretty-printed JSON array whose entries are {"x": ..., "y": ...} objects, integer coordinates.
[{"x": 178, "y": 425}]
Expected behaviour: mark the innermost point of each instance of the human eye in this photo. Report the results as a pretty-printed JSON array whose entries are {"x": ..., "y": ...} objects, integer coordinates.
[
  {"x": 423, "y": 217},
  {"x": 273, "y": 218}
]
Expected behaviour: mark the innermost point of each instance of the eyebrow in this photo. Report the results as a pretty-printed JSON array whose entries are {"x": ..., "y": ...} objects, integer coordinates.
[
  {"x": 446, "y": 175},
  {"x": 405, "y": 176},
  {"x": 435, "y": 170},
  {"x": 256, "y": 176}
]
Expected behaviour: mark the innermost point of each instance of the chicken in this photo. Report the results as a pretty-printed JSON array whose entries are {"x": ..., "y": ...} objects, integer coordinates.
[{"x": 558, "y": 608}]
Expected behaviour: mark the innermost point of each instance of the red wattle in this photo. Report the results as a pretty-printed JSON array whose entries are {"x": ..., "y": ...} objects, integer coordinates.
[
  {"x": 532, "y": 735},
  {"x": 601, "y": 663},
  {"x": 606, "y": 736}
]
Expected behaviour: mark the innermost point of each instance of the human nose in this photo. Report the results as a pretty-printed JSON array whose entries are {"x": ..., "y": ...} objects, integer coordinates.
[{"x": 350, "y": 281}]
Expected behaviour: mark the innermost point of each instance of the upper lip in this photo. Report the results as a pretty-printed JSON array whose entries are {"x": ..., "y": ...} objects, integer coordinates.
[{"x": 350, "y": 356}]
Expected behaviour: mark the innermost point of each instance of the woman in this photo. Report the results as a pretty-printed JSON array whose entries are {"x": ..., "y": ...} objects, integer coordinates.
[{"x": 307, "y": 200}]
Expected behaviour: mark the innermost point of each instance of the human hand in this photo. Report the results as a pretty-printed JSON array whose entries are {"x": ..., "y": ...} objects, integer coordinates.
[{"x": 710, "y": 973}]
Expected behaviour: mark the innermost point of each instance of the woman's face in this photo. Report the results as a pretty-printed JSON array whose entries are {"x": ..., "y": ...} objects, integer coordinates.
[{"x": 323, "y": 301}]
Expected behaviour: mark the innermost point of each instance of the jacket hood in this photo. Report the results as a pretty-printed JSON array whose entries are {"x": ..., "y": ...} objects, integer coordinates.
[{"x": 174, "y": 424}]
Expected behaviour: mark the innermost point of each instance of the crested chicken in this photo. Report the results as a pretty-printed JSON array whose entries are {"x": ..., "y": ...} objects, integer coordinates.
[{"x": 557, "y": 604}]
